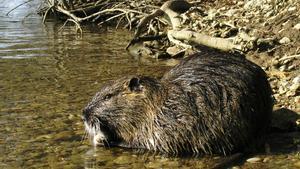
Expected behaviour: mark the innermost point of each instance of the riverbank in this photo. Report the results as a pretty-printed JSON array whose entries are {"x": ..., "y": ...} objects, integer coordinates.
[
  {"x": 48, "y": 74},
  {"x": 272, "y": 27}
]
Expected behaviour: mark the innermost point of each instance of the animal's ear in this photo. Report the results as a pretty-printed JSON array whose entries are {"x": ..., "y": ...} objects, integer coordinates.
[{"x": 134, "y": 84}]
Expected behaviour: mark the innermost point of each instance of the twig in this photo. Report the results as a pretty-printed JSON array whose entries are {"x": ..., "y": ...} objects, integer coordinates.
[
  {"x": 78, "y": 19},
  {"x": 76, "y": 23},
  {"x": 128, "y": 19},
  {"x": 117, "y": 26},
  {"x": 61, "y": 28},
  {"x": 289, "y": 57},
  {"x": 75, "y": 18},
  {"x": 46, "y": 13},
  {"x": 111, "y": 10},
  {"x": 18, "y": 6},
  {"x": 111, "y": 18},
  {"x": 84, "y": 12}
]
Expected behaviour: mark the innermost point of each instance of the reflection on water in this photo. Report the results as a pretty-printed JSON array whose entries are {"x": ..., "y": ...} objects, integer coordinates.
[{"x": 47, "y": 77}]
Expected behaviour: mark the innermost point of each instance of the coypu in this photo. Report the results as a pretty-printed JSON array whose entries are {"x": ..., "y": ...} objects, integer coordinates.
[{"x": 210, "y": 103}]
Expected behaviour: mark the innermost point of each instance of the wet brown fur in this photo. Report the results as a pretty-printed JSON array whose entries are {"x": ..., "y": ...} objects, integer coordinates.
[{"x": 211, "y": 103}]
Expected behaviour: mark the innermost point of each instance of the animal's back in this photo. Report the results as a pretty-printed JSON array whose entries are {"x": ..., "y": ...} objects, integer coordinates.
[{"x": 232, "y": 98}]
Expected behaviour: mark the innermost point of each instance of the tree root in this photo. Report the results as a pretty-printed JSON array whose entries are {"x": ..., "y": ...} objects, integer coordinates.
[
  {"x": 202, "y": 39},
  {"x": 134, "y": 13}
]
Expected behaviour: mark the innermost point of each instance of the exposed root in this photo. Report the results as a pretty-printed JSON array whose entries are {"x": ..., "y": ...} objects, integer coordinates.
[
  {"x": 151, "y": 18},
  {"x": 46, "y": 13},
  {"x": 111, "y": 18},
  {"x": 78, "y": 27}
]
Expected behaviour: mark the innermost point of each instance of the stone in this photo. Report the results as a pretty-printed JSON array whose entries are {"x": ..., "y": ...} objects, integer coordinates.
[
  {"x": 284, "y": 40},
  {"x": 267, "y": 159},
  {"x": 297, "y": 26},
  {"x": 254, "y": 160}
]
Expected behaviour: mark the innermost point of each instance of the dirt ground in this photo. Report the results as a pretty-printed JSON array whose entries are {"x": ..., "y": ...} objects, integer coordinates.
[
  {"x": 279, "y": 22},
  {"x": 276, "y": 26}
]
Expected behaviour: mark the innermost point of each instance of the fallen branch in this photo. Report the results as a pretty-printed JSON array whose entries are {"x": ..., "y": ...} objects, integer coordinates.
[
  {"x": 46, "y": 13},
  {"x": 202, "y": 39},
  {"x": 111, "y": 18},
  {"x": 173, "y": 9},
  {"x": 289, "y": 57}
]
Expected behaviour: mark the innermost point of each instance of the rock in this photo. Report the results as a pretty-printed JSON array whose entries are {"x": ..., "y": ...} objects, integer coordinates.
[
  {"x": 292, "y": 8},
  {"x": 283, "y": 68},
  {"x": 296, "y": 79},
  {"x": 283, "y": 87},
  {"x": 298, "y": 122},
  {"x": 267, "y": 159},
  {"x": 297, "y": 101},
  {"x": 284, "y": 40},
  {"x": 297, "y": 26},
  {"x": 291, "y": 67},
  {"x": 231, "y": 12},
  {"x": 173, "y": 50},
  {"x": 153, "y": 165},
  {"x": 235, "y": 167},
  {"x": 254, "y": 160},
  {"x": 295, "y": 87},
  {"x": 250, "y": 4}
]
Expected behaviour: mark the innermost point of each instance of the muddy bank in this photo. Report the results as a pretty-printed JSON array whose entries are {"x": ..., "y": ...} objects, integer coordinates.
[{"x": 268, "y": 32}]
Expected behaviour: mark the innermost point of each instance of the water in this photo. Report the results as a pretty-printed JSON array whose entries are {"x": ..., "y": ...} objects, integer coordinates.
[{"x": 47, "y": 76}]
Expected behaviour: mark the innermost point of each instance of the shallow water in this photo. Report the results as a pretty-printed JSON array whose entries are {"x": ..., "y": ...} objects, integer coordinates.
[{"x": 47, "y": 76}]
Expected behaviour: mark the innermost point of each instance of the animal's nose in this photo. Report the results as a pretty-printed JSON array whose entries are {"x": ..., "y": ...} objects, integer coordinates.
[{"x": 86, "y": 113}]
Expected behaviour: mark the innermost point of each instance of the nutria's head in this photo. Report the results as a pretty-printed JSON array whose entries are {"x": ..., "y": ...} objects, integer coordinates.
[{"x": 121, "y": 113}]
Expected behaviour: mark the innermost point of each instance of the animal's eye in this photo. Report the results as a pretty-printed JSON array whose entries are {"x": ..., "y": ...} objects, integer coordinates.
[{"x": 108, "y": 96}]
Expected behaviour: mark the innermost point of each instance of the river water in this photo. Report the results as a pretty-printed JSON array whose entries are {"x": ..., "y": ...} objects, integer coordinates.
[{"x": 48, "y": 75}]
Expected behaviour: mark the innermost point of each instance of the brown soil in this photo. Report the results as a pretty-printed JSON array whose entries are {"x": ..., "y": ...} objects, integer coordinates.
[{"x": 278, "y": 21}]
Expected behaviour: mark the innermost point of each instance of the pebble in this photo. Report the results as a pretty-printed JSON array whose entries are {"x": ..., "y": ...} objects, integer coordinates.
[
  {"x": 267, "y": 159},
  {"x": 282, "y": 90},
  {"x": 282, "y": 68},
  {"x": 254, "y": 160},
  {"x": 284, "y": 40},
  {"x": 292, "y": 8},
  {"x": 297, "y": 26},
  {"x": 153, "y": 165},
  {"x": 296, "y": 80},
  {"x": 295, "y": 87},
  {"x": 254, "y": 4},
  {"x": 172, "y": 50}
]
